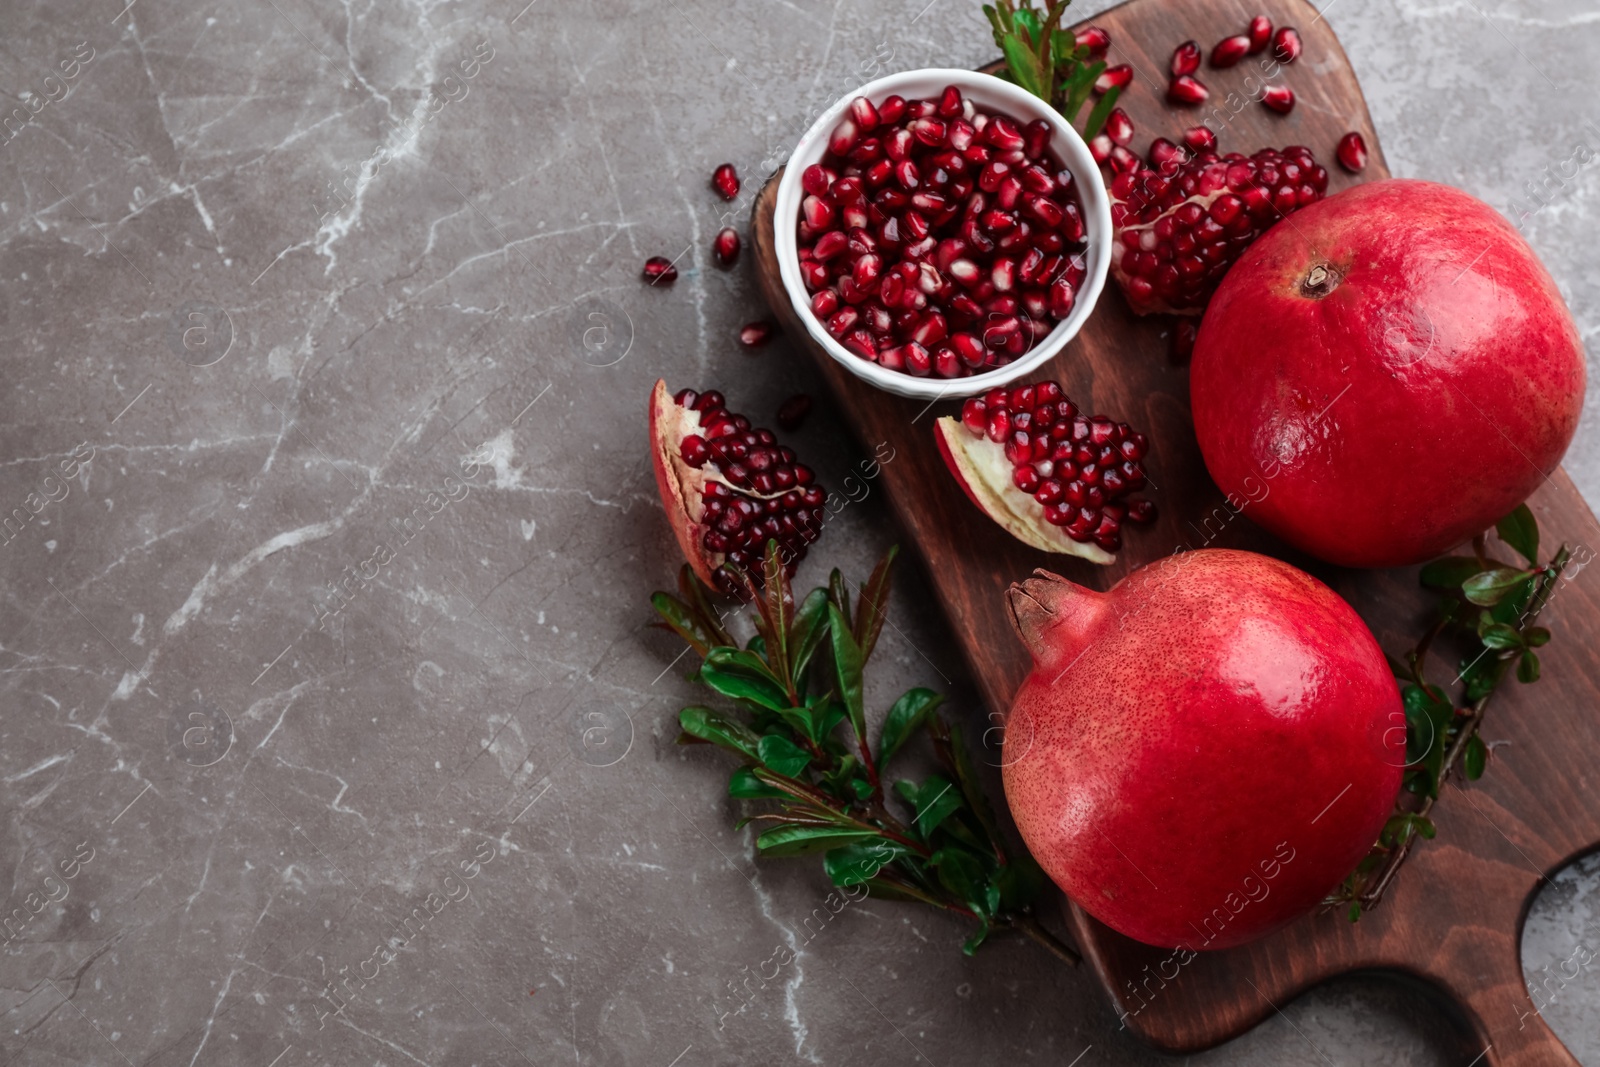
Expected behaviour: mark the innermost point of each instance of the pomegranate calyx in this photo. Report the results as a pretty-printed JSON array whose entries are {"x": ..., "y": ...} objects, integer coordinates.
[
  {"x": 1319, "y": 281},
  {"x": 1055, "y": 618}
]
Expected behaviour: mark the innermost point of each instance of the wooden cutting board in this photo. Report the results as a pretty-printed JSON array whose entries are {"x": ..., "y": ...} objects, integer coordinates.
[{"x": 1454, "y": 919}]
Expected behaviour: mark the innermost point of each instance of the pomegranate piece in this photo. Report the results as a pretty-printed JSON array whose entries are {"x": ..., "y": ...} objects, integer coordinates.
[
  {"x": 1187, "y": 90},
  {"x": 1055, "y": 479},
  {"x": 1444, "y": 322},
  {"x": 658, "y": 270},
  {"x": 729, "y": 488},
  {"x": 956, "y": 255},
  {"x": 1094, "y": 39},
  {"x": 1117, "y": 77},
  {"x": 755, "y": 334},
  {"x": 1260, "y": 34},
  {"x": 793, "y": 412},
  {"x": 1286, "y": 45},
  {"x": 1184, "y": 332},
  {"x": 725, "y": 246},
  {"x": 1176, "y": 231},
  {"x": 1185, "y": 59},
  {"x": 726, "y": 181},
  {"x": 1352, "y": 152},
  {"x": 1158, "y": 715},
  {"x": 1200, "y": 139},
  {"x": 1279, "y": 98},
  {"x": 1119, "y": 127},
  {"x": 1229, "y": 51}
]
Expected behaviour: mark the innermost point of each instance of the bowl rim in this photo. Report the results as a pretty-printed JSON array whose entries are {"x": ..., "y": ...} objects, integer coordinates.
[{"x": 991, "y": 92}]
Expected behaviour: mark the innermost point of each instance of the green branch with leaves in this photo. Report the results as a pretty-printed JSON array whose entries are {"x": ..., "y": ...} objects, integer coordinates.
[
  {"x": 1048, "y": 61},
  {"x": 793, "y": 710},
  {"x": 1492, "y": 608}
]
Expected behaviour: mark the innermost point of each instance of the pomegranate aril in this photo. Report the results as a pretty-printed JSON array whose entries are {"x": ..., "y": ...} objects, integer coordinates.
[
  {"x": 725, "y": 246},
  {"x": 816, "y": 179},
  {"x": 891, "y": 110},
  {"x": 814, "y": 274},
  {"x": 1094, "y": 39},
  {"x": 726, "y": 181},
  {"x": 1123, "y": 160},
  {"x": 1119, "y": 127},
  {"x": 1260, "y": 33},
  {"x": 794, "y": 411},
  {"x": 1185, "y": 59},
  {"x": 1286, "y": 45},
  {"x": 843, "y": 138},
  {"x": 928, "y": 131},
  {"x": 755, "y": 334},
  {"x": 1117, "y": 77},
  {"x": 1229, "y": 51},
  {"x": 1184, "y": 332},
  {"x": 863, "y": 114},
  {"x": 1279, "y": 98},
  {"x": 1200, "y": 139},
  {"x": 1165, "y": 157},
  {"x": 1100, "y": 147},
  {"x": 950, "y": 102},
  {"x": 847, "y": 190},
  {"x": 1352, "y": 152},
  {"x": 658, "y": 270},
  {"x": 918, "y": 361},
  {"x": 830, "y": 245},
  {"x": 1187, "y": 89}
]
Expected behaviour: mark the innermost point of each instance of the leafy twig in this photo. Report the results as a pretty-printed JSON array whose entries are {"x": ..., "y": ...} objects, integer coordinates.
[
  {"x": 793, "y": 687},
  {"x": 1048, "y": 61}
]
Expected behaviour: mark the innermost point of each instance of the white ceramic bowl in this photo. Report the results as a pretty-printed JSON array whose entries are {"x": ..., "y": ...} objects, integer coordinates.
[{"x": 986, "y": 93}]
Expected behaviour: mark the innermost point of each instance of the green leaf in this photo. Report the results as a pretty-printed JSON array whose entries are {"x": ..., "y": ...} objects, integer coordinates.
[
  {"x": 908, "y": 715},
  {"x": 970, "y": 945},
  {"x": 707, "y": 725},
  {"x": 1528, "y": 668},
  {"x": 860, "y": 863},
  {"x": 1536, "y": 636},
  {"x": 937, "y": 799},
  {"x": 1102, "y": 111},
  {"x": 1354, "y": 914},
  {"x": 1498, "y": 635},
  {"x": 1490, "y": 587},
  {"x": 1450, "y": 572},
  {"x": 744, "y": 785},
  {"x": 873, "y": 608},
  {"x": 1020, "y": 882},
  {"x": 1420, "y": 734},
  {"x": 1023, "y": 64},
  {"x": 681, "y": 621},
  {"x": 743, "y": 675},
  {"x": 1475, "y": 758},
  {"x": 1520, "y": 530},
  {"x": 839, "y": 593},
  {"x": 810, "y": 627},
  {"x": 796, "y": 840},
  {"x": 962, "y": 873},
  {"x": 847, "y": 663},
  {"x": 1423, "y": 825},
  {"x": 782, "y": 755}
]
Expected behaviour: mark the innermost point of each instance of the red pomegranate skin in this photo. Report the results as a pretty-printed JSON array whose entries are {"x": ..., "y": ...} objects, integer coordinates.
[
  {"x": 1200, "y": 754},
  {"x": 1424, "y": 395}
]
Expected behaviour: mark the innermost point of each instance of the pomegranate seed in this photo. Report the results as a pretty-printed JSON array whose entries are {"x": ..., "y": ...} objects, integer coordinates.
[
  {"x": 1117, "y": 77},
  {"x": 1185, "y": 59},
  {"x": 1353, "y": 152},
  {"x": 892, "y": 110},
  {"x": 1123, "y": 161},
  {"x": 843, "y": 138},
  {"x": 817, "y": 212},
  {"x": 792, "y": 412},
  {"x": 1279, "y": 98},
  {"x": 905, "y": 172},
  {"x": 1100, "y": 148},
  {"x": 1286, "y": 45},
  {"x": 917, "y": 359},
  {"x": 1094, "y": 39},
  {"x": 929, "y": 131},
  {"x": 1229, "y": 51},
  {"x": 755, "y": 334},
  {"x": 1200, "y": 139},
  {"x": 1165, "y": 157},
  {"x": 1187, "y": 90},
  {"x": 816, "y": 179},
  {"x": 950, "y": 102},
  {"x": 861, "y": 343},
  {"x": 726, "y": 181},
  {"x": 1036, "y": 138},
  {"x": 830, "y": 245},
  {"x": 725, "y": 247},
  {"x": 1260, "y": 33},
  {"x": 824, "y": 303},
  {"x": 658, "y": 270},
  {"x": 846, "y": 190},
  {"x": 1119, "y": 127},
  {"x": 814, "y": 274},
  {"x": 1184, "y": 331},
  {"x": 863, "y": 114}
]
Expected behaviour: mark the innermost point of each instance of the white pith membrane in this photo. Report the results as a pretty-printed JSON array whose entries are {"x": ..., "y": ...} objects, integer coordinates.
[{"x": 985, "y": 472}]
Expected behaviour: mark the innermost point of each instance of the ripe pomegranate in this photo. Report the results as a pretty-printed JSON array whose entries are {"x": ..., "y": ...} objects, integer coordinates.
[
  {"x": 729, "y": 488},
  {"x": 1397, "y": 368},
  {"x": 1177, "y": 229},
  {"x": 938, "y": 239},
  {"x": 1202, "y": 752},
  {"x": 1055, "y": 479}
]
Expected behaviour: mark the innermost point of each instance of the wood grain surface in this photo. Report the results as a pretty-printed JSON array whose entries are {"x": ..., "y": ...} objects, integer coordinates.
[{"x": 1454, "y": 918}]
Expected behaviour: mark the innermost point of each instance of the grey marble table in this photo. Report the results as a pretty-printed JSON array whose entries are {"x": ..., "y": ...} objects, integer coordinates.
[{"x": 285, "y": 281}]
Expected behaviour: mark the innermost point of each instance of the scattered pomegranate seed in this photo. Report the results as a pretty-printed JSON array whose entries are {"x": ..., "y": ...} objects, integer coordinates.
[
  {"x": 1279, "y": 98},
  {"x": 1200, "y": 139},
  {"x": 726, "y": 181},
  {"x": 1117, "y": 77},
  {"x": 1185, "y": 59},
  {"x": 1260, "y": 33},
  {"x": 1123, "y": 160},
  {"x": 658, "y": 270},
  {"x": 1079, "y": 469},
  {"x": 1229, "y": 51},
  {"x": 1353, "y": 152},
  {"x": 945, "y": 242},
  {"x": 1185, "y": 89},
  {"x": 1100, "y": 147},
  {"x": 1286, "y": 45},
  {"x": 1184, "y": 332},
  {"x": 751, "y": 489},
  {"x": 755, "y": 334},
  {"x": 1119, "y": 127},
  {"x": 725, "y": 246},
  {"x": 1174, "y": 236},
  {"x": 1094, "y": 39},
  {"x": 1166, "y": 157},
  {"x": 793, "y": 412}
]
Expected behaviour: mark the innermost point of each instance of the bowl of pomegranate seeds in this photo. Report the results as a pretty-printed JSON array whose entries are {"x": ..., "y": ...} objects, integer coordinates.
[{"x": 942, "y": 232}]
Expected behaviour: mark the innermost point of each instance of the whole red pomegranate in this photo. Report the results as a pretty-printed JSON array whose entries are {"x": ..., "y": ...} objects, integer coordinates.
[
  {"x": 1203, "y": 752},
  {"x": 1387, "y": 376}
]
